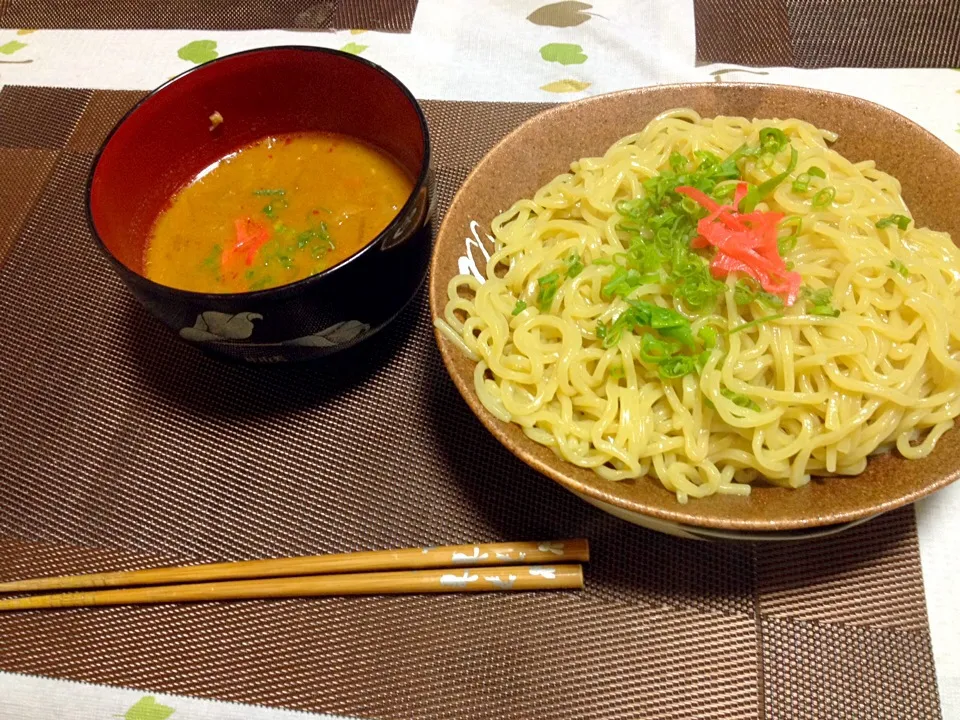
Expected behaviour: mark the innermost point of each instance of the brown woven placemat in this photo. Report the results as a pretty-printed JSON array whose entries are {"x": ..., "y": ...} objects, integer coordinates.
[
  {"x": 829, "y": 33},
  {"x": 122, "y": 448},
  {"x": 388, "y": 15}
]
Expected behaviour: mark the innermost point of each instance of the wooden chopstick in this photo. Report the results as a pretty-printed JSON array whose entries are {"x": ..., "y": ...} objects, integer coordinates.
[
  {"x": 493, "y": 579},
  {"x": 477, "y": 555}
]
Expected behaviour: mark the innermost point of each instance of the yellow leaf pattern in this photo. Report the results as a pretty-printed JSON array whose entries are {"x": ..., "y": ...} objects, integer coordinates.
[
  {"x": 565, "y": 86},
  {"x": 11, "y": 47},
  {"x": 353, "y": 48}
]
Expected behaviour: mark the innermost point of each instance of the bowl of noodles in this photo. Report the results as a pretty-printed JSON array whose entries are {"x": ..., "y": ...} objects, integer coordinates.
[{"x": 714, "y": 310}]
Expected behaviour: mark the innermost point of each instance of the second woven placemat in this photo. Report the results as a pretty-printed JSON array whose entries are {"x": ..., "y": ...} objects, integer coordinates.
[
  {"x": 387, "y": 15},
  {"x": 829, "y": 33},
  {"x": 125, "y": 448}
]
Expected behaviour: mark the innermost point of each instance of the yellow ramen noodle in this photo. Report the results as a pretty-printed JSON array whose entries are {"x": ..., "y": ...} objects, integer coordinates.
[{"x": 866, "y": 358}]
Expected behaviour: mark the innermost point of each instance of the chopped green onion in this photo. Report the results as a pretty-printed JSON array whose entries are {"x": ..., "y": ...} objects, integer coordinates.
[
  {"x": 724, "y": 191},
  {"x": 654, "y": 350},
  {"x": 802, "y": 183},
  {"x": 677, "y": 366},
  {"x": 756, "y": 194},
  {"x": 603, "y": 331},
  {"x": 824, "y": 197},
  {"x": 677, "y": 161},
  {"x": 669, "y": 323},
  {"x": 739, "y": 400},
  {"x": 900, "y": 268},
  {"x": 212, "y": 261},
  {"x": 681, "y": 333},
  {"x": 743, "y": 294},
  {"x": 747, "y": 291},
  {"x": 644, "y": 256},
  {"x": 701, "y": 360},
  {"x": 261, "y": 283},
  {"x": 622, "y": 283},
  {"x": 319, "y": 237},
  {"x": 709, "y": 337},
  {"x": 817, "y": 297},
  {"x": 278, "y": 193},
  {"x": 773, "y": 140},
  {"x": 666, "y": 356},
  {"x": 753, "y": 323},
  {"x": 615, "y": 371},
  {"x": 693, "y": 283},
  {"x": 519, "y": 307},
  {"x": 743, "y": 151},
  {"x": 708, "y": 160},
  {"x": 821, "y": 301},
  {"x": 549, "y": 284},
  {"x": 787, "y": 243},
  {"x": 901, "y": 221},
  {"x": 825, "y": 310},
  {"x": 769, "y": 299}
]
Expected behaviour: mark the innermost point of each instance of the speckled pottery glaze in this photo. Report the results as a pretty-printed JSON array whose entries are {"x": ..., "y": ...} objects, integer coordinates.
[{"x": 545, "y": 146}]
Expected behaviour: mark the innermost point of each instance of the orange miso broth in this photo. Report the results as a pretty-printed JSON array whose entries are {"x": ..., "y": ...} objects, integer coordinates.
[{"x": 279, "y": 210}]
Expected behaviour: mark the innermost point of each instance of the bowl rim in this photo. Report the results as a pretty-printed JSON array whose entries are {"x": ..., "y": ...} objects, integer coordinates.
[
  {"x": 289, "y": 289},
  {"x": 712, "y": 534},
  {"x": 496, "y": 427}
]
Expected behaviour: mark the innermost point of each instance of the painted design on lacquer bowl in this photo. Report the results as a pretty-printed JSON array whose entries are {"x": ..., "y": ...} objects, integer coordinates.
[
  {"x": 217, "y": 327},
  {"x": 212, "y": 326},
  {"x": 341, "y": 333}
]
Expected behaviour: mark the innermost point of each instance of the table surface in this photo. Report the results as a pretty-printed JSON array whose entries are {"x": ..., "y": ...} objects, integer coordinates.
[{"x": 487, "y": 50}]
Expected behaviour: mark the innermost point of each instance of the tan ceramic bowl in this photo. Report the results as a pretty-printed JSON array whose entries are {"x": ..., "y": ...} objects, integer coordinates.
[{"x": 544, "y": 146}]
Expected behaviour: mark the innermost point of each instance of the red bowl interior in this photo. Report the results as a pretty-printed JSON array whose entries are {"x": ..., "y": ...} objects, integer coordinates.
[{"x": 166, "y": 139}]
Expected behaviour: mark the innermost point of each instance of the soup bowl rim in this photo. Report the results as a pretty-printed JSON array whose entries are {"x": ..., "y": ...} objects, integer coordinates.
[{"x": 297, "y": 286}]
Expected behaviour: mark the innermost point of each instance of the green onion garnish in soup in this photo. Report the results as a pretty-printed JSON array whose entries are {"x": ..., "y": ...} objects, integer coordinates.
[{"x": 279, "y": 210}]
